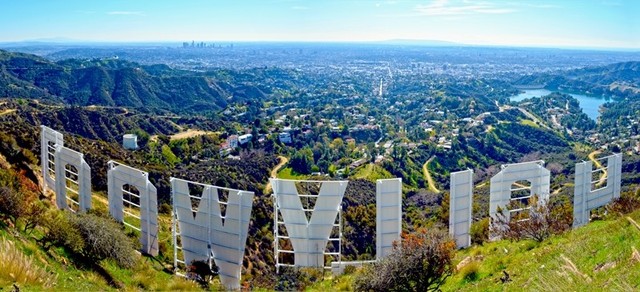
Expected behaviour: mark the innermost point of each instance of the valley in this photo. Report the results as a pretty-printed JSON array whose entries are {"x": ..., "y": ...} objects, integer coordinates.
[{"x": 359, "y": 113}]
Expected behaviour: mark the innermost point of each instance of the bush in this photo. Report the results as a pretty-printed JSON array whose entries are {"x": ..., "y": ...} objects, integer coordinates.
[
  {"x": 61, "y": 232},
  {"x": 479, "y": 231},
  {"x": 625, "y": 204},
  {"x": 12, "y": 204},
  {"x": 164, "y": 208},
  {"x": 200, "y": 272},
  {"x": 287, "y": 280},
  {"x": 543, "y": 220},
  {"x": 34, "y": 215},
  {"x": 298, "y": 279},
  {"x": 18, "y": 200},
  {"x": 421, "y": 263},
  {"x": 89, "y": 236},
  {"x": 20, "y": 205},
  {"x": 104, "y": 239},
  {"x": 470, "y": 272},
  {"x": 348, "y": 270}
]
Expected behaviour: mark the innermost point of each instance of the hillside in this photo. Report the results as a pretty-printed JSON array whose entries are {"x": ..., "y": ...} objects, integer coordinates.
[
  {"x": 620, "y": 79},
  {"x": 450, "y": 125},
  {"x": 602, "y": 255},
  {"x": 111, "y": 82}
]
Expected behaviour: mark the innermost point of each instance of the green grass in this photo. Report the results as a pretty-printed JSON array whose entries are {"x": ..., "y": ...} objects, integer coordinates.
[
  {"x": 527, "y": 122},
  {"x": 24, "y": 262},
  {"x": 341, "y": 283},
  {"x": 566, "y": 262},
  {"x": 570, "y": 262},
  {"x": 288, "y": 173},
  {"x": 371, "y": 172}
]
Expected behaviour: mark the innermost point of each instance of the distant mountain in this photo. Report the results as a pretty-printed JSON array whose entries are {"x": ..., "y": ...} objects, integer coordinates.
[
  {"x": 113, "y": 82},
  {"x": 414, "y": 42},
  {"x": 618, "y": 80}
]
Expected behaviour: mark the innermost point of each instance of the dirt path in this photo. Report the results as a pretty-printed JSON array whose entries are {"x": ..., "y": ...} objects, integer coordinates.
[
  {"x": 274, "y": 172},
  {"x": 603, "y": 176},
  {"x": 427, "y": 176},
  {"x": 6, "y": 112}
]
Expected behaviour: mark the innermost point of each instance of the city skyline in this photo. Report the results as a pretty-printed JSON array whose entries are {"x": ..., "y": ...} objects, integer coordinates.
[{"x": 568, "y": 23}]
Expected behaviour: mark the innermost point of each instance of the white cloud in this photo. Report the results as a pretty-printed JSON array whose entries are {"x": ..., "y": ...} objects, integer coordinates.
[
  {"x": 139, "y": 13},
  {"x": 447, "y": 8}
]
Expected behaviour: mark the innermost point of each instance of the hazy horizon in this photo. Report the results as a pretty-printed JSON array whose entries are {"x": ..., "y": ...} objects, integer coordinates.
[{"x": 607, "y": 24}]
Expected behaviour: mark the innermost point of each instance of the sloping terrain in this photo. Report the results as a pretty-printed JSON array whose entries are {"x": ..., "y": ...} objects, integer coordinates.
[
  {"x": 620, "y": 79},
  {"x": 602, "y": 255},
  {"x": 113, "y": 82}
]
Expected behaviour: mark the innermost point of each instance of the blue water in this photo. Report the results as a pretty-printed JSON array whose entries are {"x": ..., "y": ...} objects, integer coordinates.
[{"x": 589, "y": 104}]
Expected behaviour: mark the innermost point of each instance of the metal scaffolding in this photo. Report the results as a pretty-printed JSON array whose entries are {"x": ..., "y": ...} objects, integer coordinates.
[
  {"x": 308, "y": 237},
  {"x": 143, "y": 209},
  {"x": 205, "y": 233},
  {"x": 589, "y": 193},
  {"x": 501, "y": 188},
  {"x": 67, "y": 181},
  {"x": 50, "y": 140}
]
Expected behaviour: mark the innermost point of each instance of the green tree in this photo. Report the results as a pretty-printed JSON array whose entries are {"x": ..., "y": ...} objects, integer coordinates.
[{"x": 302, "y": 161}]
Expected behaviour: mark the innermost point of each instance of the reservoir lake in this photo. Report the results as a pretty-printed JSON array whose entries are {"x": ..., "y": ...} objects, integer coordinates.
[{"x": 589, "y": 104}]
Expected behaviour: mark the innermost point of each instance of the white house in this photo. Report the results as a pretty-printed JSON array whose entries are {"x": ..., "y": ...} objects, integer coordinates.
[{"x": 244, "y": 138}]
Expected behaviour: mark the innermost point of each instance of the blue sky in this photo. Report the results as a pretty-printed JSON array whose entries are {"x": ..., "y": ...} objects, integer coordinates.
[{"x": 551, "y": 23}]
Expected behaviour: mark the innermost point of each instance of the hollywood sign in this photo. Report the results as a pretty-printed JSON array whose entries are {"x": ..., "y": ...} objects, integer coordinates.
[
  {"x": 212, "y": 222},
  {"x": 307, "y": 214},
  {"x": 593, "y": 188}
]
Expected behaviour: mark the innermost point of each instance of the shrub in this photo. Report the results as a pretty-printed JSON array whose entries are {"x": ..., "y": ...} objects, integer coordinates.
[
  {"x": 15, "y": 266},
  {"x": 421, "y": 262},
  {"x": 200, "y": 272},
  {"x": 12, "y": 204},
  {"x": 298, "y": 279},
  {"x": 34, "y": 215},
  {"x": 103, "y": 239},
  {"x": 542, "y": 220},
  {"x": 89, "y": 236},
  {"x": 348, "y": 270},
  {"x": 60, "y": 231},
  {"x": 470, "y": 272},
  {"x": 164, "y": 208},
  {"x": 479, "y": 231},
  {"x": 20, "y": 205},
  {"x": 287, "y": 280},
  {"x": 625, "y": 204},
  {"x": 18, "y": 199}
]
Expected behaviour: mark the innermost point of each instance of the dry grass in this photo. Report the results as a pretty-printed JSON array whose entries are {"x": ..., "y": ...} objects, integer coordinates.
[
  {"x": 16, "y": 267},
  {"x": 571, "y": 267},
  {"x": 633, "y": 222},
  {"x": 190, "y": 133}
]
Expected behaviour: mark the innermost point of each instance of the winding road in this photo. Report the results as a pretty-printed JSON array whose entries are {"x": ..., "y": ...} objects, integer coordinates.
[{"x": 603, "y": 176}]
